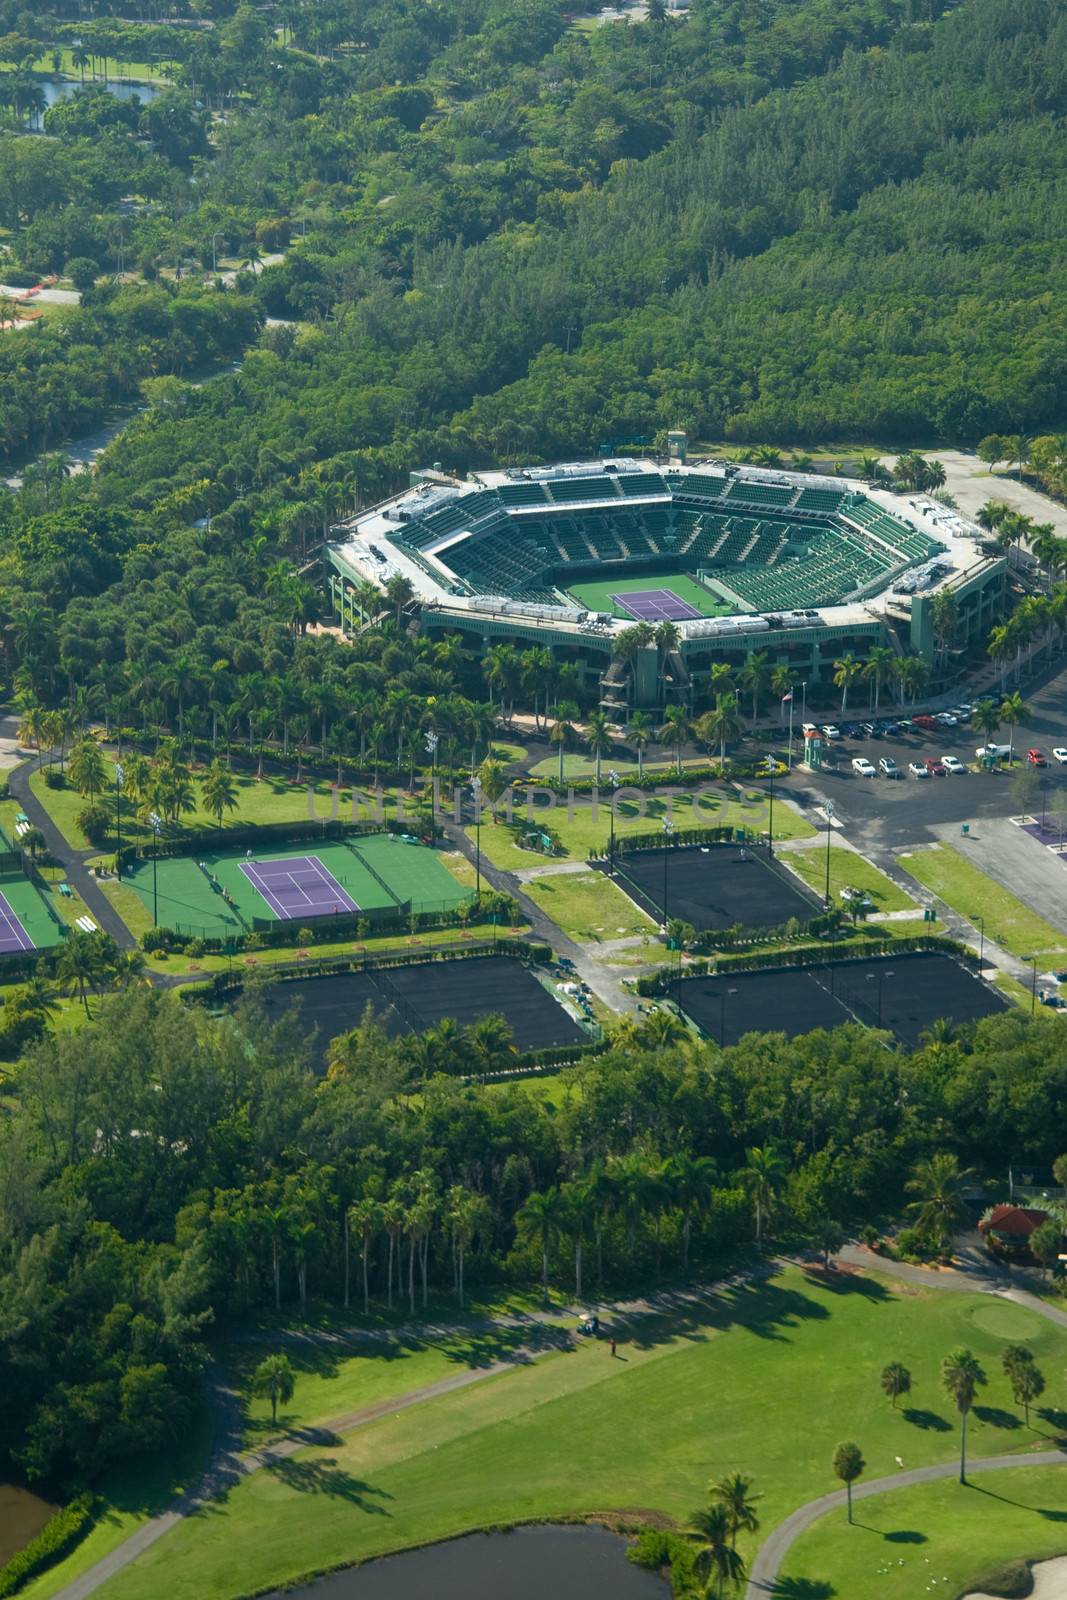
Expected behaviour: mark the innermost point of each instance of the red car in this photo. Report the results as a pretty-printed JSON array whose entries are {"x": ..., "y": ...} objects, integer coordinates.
[
  {"x": 935, "y": 767},
  {"x": 1036, "y": 759},
  {"x": 923, "y": 721}
]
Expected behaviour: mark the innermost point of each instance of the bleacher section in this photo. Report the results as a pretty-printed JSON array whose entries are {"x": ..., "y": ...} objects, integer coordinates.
[{"x": 768, "y": 558}]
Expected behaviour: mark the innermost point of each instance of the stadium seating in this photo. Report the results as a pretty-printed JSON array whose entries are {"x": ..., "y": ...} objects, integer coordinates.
[
  {"x": 639, "y": 483},
  {"x": 569, "y": 490},
  {"x": 760, "y": 494},
  {"x": 523, "y": 494},
  {"x": 827, "y": 500}
]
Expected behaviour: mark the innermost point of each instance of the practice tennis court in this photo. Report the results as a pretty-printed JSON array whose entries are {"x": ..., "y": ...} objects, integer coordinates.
[
  {"x": 13, "y": 935},
  {"x": 298, "y": 886},
  {"x": 222, "y": 894},
  {"x": 410, "y": 999},
  {"x": 903, "y": 994},
  {"x": 712, "y": 887},
  {"x": 26, "y": 923}
]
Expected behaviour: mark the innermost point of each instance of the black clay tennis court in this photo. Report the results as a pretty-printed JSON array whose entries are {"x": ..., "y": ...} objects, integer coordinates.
[
  {"x": 412, "y": 999},
  {"x": 713, "y": 887},
  {"x": 904, "y": 995}
]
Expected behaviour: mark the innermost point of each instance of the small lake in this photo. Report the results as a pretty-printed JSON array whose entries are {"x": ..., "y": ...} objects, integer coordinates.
[
  {"x": 67, "y": 88},
  {"x": 528, "y": 1564},
  {"x": 22, "y": 1516}
]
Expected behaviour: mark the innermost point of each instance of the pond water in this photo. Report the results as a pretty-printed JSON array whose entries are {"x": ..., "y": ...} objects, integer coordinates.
[
  {"x": 66, "y": 88},
  {"x": 528, "y": 1564},
  {"x": 22, "y": 1516}
]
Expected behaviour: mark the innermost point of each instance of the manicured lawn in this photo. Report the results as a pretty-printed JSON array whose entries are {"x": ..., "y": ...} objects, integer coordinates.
[
  {"x": 847, "y": 870},
  {"x": 582, "y": 830},
  {"x": 145, "y": 71},
  {"x": 588, "y": 906},
  {"x": 936, "y": 1538},
  {"x": 579, "y": 1433},
  {"x": 1008, "y": 922}
]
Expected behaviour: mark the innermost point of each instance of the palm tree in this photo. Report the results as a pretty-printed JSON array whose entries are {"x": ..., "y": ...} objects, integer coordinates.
[
  {"x": 987, "y": 718},
  {"x": 1013, "y": 711},
  {"x": 365, "y": 1218},
  {"x": 848, "y": 1465},
  {"x": 467, "y": 1213},
  {"x": 913, "y": 672},
  {"x": 940, "y": 1184},
  {"x": 783, "y": 680},
  {"x": 878, "y": 666},
  {"x": 716, "y": 1556},
  {"x": 755, "y": 675},
  {"x": 734, "y": 1494},
  {"x": 762, "y": 1177},
  {"x": 561, "y": 733},
  {"x": 579, "y": 1208},
  {"x": 274, "y": 1380},
  {"x": 219, "y": 791},
  {"x": 494, "y": 783},
  {"x": 400, "y": 592},
  {"x": 83, "y": 963},
  {"x": 598, "y": 739},
  {"x": 543, "y": 1213},
  {"x": 88, "y": 769},
  {"x": 961, "y": 1378},
  {"x": 719, "y": 725},
  {"x": 639, "y": 734},
  {"x": 675, "y": 731},
  {"x": 846, "y": 670},
  {"x": 691, "y": 1180},
  {"x": 896, "y": 1380}
]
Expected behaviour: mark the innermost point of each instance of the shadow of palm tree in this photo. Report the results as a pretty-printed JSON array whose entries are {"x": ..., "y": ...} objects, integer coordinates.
[
  {"x": 803, "y": 1589},
  {"x": 996, "y": 1417},
  {"x": 327, "y": 1478},
  {"x": 927, "y": 1420}
]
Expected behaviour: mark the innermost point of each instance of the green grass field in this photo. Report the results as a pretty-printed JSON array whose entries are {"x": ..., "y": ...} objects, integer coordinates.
[
  {"x": 598, "y": 596},
  {"x": 848, "y": 870},
  {"x": 588, "y": 906},
  {"x": 967, "y": 890},
  {"x": 577, "y": 1433},
  {"x": 937, "y": 1538},
  {"x": 378, "y": 871}
]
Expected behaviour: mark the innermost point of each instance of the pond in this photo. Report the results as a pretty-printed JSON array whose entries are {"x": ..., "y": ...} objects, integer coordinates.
[
  {"x": 572, "y": 1563},
  {"x": 22, "y": 1516},
  {"x": 67, "y": 87}
]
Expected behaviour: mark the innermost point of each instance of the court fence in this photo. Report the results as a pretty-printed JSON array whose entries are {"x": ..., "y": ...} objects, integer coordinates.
[
  {"x": 807, "y": 955},
  {"x": 210, "y": 841}
]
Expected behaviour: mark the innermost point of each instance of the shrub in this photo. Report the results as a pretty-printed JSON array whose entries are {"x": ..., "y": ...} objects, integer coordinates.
[
  {"x": 95, "y": 821},
  {"x": 54, "y": 778},
  {"x": 54, "y": 1540},
  {"x": 19, "y": 277},
  {"x": 83, "y": 273},
  {"x": 195, "y": 947}
]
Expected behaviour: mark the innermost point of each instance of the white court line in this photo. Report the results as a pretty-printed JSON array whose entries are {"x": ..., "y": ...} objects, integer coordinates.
[
  {"x": 329, "y": 880},
  {"x": 12, "y": 923}
]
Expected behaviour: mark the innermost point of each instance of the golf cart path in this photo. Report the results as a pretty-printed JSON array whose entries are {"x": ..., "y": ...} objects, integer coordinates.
[{"x": 763, "y": 1575}]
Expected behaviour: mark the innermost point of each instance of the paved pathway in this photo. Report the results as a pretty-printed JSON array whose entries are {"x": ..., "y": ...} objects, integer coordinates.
[
  {"x": 71, "y": 860},
  {"x": 762, "y": 1578}
]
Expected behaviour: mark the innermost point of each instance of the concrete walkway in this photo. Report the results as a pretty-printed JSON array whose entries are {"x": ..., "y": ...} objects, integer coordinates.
[
  {"x": 71, "y": 860},
  {"x": 763, "y": 1577}
]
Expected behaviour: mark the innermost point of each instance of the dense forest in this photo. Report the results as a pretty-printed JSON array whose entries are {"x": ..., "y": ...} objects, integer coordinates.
[{"x": 163, "y": 1175}]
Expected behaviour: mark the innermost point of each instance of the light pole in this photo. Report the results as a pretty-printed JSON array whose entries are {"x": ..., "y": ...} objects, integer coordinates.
[
  {"x": 431, "y": 751},
  {"x": 668, "y": 829},
  {"x": 879, "y": 978},
  {"x": 981, "y": 940},
  {"x": 155, "y": 822},
  {"x": 1033, "y": 983},
  {"x": 119, "y": 777},
  {"x": 613, "y": 779},
  {"x": 722, "y": 1016},
  {"x": 772, "y": 767},
  {"x": 829, "y": 836},
  {"x": 476, "y": 790}
]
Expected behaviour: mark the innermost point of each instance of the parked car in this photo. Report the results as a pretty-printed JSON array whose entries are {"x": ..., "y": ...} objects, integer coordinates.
[
  {"x": 830, "y": 730},
  {"x": 1060, "y": 755},
  {"x": 888, "y": 767},
  {"x": 862, "y": 767},
  {"x": 917, "y": 769},
  {"x": 808, "y": 727},
  {"x": 946, "y": 719},
  {"x": 953, "y": 764},
  {"x": 935, "y": 767},
  {"x": 1036, "y": 758},
  {"x": 870, "y": 730},
  {"x": 998, "y": 752},
  {"x": 923, "y": 720}
]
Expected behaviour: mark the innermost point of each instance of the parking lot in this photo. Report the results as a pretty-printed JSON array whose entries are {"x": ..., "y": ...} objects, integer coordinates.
[{"x": 901, "y": 810}]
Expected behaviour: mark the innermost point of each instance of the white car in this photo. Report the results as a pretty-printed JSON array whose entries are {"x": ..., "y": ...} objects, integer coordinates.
[
  {"x": 1060, "y": 755},
  {"x": 952, "y": 764},
  {"x": 946, "y": 719},
  {"x": 862, "y": 767},
  {"x": 917, "y": 769},
  {"x": 999, "y": 752},
  {"x": 830, "y": 731}
]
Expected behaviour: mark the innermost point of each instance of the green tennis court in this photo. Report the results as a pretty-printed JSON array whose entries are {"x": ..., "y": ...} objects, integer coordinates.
[
  {"x": 31, "y": 909},
  {"x": 598, "y": 596},
  {"x": 211, "y": 897}
]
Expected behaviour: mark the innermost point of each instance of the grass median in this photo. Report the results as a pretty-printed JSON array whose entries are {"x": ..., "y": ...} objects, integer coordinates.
[
  {"x": 969, "y": 892},
  {"x": 848, "y": 870},
  {"x": 588, "y": 906}
]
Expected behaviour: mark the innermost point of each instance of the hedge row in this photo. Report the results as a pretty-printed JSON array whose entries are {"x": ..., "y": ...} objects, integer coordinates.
[
  {"x": 53, "y": 1541},
  {"x": 804, "y": 955},
  {"x": 252, "y": 833}
]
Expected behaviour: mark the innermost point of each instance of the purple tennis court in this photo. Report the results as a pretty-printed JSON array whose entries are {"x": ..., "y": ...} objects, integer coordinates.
[
  {"x": 298, "y": 886},
  {"x": 13, "y": 935},
  {"x": 655, "y": 605}
]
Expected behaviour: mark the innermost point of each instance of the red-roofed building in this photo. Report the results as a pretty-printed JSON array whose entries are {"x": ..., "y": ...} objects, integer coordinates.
[{"x": 1007, "y": 1229}]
